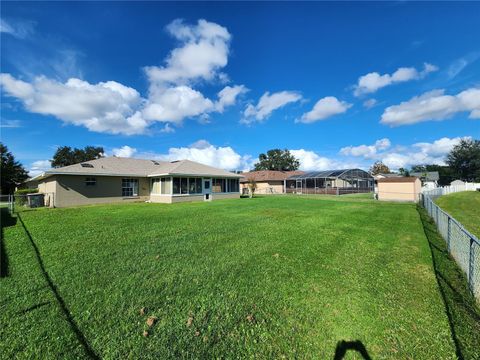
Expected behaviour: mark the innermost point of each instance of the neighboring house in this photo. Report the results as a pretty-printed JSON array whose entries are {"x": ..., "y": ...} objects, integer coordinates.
[
  {"x": 115, "y": 179},
  {"x": 429, "y": 178},
  {"x": 28, "y": 184},
  {"x": 383, "y": 176},
  {"x": 399, "y": 189},
  {"x": 332, "y": 182},
  {"x": 268, "y": 181}
]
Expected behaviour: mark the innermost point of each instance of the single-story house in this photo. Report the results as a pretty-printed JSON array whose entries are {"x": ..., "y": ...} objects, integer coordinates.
[
  {"x": 30, "y": 183},
  {"x": 268, "y": 181},
  {"x": 429, "y": 178},
  {"x": 385, "y": 175},
  {"x": 399, "y": 189},
  {"x": 116, "y": 179},
  {"x": 331, "y": 182}
]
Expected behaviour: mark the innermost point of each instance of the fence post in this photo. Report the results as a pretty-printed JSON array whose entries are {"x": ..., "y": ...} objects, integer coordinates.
[
  {"x": 471, "y": 268},
  {"x": 448, "y": 233}
]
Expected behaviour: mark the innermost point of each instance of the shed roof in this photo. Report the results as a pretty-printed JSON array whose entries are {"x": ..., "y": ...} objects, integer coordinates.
[
  {"x": 398, "y": 179},
  {"x": 118, "y": 166}
]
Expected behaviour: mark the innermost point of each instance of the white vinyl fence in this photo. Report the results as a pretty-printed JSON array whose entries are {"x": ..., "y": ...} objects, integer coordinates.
[
  {"x": 445, "y": 190},
  {"x": 462, "y": 245}
]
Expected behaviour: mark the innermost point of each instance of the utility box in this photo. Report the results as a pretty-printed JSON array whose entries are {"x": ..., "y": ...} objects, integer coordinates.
[{"x": 35, "y": 200}]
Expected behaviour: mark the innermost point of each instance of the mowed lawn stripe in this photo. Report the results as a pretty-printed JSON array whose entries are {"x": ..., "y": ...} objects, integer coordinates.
[{"x": 266, "y": 277}]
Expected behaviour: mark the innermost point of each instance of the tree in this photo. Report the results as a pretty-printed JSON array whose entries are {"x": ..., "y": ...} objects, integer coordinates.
[
  {"x": 277, "y": 159},
  {"x": 404, "y": 172},
  {"x": 379, "y": 168},
  {"x": 252, "y": 187},
  {"x": 464, "y": 160},
  {"x": 12, "y": 172},
  {"x": 65, "y": 155}
]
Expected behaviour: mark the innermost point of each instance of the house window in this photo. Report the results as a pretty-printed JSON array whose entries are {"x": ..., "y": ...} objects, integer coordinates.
[
  {"x": 184, "y": 185},
  {"x": 166, "y": 186},
  {"x": 129, "y": 187},
  {"x": 155, "y": 186},
  {"x": 195, "y": 186},
  {"x": 90, "y": 181},
  {"x": 233, "y": 185},
  {"x": 176, "y": 185},
  {"x": 219, "y": 186}
]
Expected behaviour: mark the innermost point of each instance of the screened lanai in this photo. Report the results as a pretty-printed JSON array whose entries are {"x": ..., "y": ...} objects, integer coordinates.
[{"x": 334, "y": 182}]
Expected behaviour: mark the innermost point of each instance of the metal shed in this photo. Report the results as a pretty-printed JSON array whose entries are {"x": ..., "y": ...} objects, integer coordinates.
[{"x": 333, "y": 182}]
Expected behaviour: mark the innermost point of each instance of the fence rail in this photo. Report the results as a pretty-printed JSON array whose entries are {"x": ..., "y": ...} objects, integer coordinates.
[
  {"x": 18, "y": 201},
  {"x": 462, "y": 245}
]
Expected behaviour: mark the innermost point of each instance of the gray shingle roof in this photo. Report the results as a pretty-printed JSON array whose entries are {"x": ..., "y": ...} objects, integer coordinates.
[
  {"x": 118, "y": 166},
  {"x": 427, "y": 175}
]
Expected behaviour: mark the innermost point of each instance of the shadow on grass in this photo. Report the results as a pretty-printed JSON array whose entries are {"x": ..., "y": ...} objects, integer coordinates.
[
  {"x": 6, "y": 220},
  {"x": 344, "y": 346},
  {"x": 66, "y": 312},
  {"x": 460, "y": 306}
]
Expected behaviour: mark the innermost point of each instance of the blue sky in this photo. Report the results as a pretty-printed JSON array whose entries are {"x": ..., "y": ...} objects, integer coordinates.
[{"x": 340, "y": 84}]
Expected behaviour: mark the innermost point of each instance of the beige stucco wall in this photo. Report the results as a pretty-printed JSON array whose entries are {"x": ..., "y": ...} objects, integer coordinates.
[
  {"x": 49, "y": 188},
  {"x": 399, "y": 191},
  {"x": 69, "y": 190},
  {"x": 166, "y": 199},
  {"x": 72, "y": 191},
  {"x": 187, "y": 198},
  {"x": 266, "y": 187},
  {"x": 213, "y": 196}
]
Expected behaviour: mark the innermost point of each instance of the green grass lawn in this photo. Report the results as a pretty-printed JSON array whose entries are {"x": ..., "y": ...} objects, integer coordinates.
[
  {"x": 465, "y": 207},
  {"x": 268, "y": 277}
]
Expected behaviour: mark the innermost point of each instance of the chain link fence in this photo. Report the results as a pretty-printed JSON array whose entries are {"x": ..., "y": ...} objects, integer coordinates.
[
  {"x": 462, "y": 245},
  {"x": 15, "y": 202}
]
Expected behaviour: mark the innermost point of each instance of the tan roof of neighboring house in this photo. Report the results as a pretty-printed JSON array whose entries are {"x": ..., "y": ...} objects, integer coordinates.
[
  {"x": 269, "y": 175},
  {"x": 118, "y": 166},
  {"x": 398, "y": 179}
]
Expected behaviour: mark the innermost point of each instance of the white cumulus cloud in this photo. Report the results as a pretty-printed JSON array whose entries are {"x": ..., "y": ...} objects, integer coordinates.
[
  {"x": 325, "y": 108},
  {"x": 267, "y": 104},
  {"x": 420, "y": 153},
  {"x": 124, "y": 151},
  {"x": 114, "y": 108},
  {"x": 373, "y": 81},
  {"x": 38, "y": 167},
  {"x": 398, "y": 156},
  {"x": 204, "y": 152},
  {"x": 433, "y": 105},
  {"x": 204, "y": 50},
  {"x": 366, "y": 151},
  {"x": 228, "y": 96},
  {"x": 103, "y": 107},
  {"x": 202, "y": 53},
  {"x": 310, "y": 160},
  {"x": 175, "y": 104}
]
